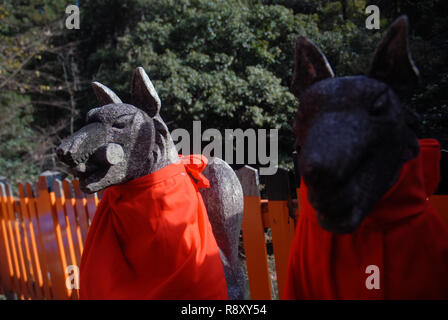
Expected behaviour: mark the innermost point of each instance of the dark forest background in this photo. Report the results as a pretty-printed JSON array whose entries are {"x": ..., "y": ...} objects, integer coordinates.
[{"x": 227, "y": 63}]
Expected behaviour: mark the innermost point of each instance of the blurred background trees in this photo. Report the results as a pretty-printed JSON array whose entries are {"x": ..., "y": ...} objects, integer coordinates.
[
  {"x": 36, "y": 85},
  {"x": 227, "y": 63}
]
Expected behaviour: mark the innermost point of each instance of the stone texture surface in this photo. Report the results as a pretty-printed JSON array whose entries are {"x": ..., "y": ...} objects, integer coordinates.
[
  {"x": 353, "y": 132},
  {"x": 225, "y": 206},
  {"x": 121, "y": 142}
]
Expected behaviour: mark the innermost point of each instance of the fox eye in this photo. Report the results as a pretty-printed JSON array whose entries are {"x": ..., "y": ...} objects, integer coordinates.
[
  {"x": 119, "y": 125},
  {"x": 122, "y": 122}
]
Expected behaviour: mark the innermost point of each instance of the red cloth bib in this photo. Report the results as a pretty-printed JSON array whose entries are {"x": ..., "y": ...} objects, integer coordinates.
[
  {"x": 403, "y": 236},
  {"x": 151, "y": 239}
]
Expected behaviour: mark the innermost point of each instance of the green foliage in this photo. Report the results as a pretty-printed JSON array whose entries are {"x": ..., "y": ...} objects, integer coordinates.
[
  {"x": 27, "y": 29},
  {"x": 23, "y": 15},
  {"x": 228, "y": 63},
  {"x": 432, "y": 104},
  {"x": 17, "y": 139},
  {"x": 225, "y": 63}
]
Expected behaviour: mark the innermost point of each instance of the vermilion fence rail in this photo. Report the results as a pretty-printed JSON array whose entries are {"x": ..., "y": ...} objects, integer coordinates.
[{"x": 42, "y": 232}]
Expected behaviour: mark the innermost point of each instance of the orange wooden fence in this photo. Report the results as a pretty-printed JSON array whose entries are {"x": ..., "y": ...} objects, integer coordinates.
[{"x": 43, "y": 230}]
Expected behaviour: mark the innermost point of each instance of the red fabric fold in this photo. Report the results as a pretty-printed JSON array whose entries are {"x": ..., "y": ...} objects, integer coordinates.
[
  {"x": 151, "y": 239},
  {"x": 195, "y": 164},
  {"x": 403, "y": 236}
]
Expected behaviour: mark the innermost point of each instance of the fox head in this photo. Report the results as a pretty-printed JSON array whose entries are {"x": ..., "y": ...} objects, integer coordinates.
[
  {"x": 354, "y": 132},
  {"x": 120, "y": 142}
]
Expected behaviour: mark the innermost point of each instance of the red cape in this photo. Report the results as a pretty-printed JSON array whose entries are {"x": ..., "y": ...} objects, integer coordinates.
[
  {"x": 151, "y": 239},
  {"x": 403, "y": 236}
]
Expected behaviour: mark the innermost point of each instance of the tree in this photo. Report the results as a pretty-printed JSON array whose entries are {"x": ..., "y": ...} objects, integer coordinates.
[
  {"x": 30, "y": 85},
  {"x": 227, "y": 63}
]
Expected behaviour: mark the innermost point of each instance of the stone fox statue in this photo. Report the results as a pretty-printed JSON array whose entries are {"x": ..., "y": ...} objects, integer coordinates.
[
  {"x": 154, "y": 238},
  {"x": 366, "y": 229}
]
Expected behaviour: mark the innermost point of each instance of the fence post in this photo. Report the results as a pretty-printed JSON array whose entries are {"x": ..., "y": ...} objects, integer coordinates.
[
  {"x": 38, "y": 249},
  {"x": 14, "y": 215},
  {"x": 7, "y": 268},
  {"x": 91, "y": 206},
  {"x": 68, "y": 254},
  {"x": 282, "y": 225},
  {"x": 30, "y": 243},
  {"x": 72, "y": 221},
  {"x": 50, "y": 228},
  {"x": 13, "y": 239},
  {"x": 23, "y": 246},
  {"x": 253, "y": 235},
  {"x": 81, "y": 212}
]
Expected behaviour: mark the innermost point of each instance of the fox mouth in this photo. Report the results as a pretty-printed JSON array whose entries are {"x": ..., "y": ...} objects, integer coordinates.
[
  {"x": 84, "y": 165},
  {"x": 340, "y": 224},
  {"x": 92, "y": 167},
  {"x": 94, "y": 177},
  {"x": 88, "y": 171},
  {"x": 337, "y": 216},
  {"x": 337, "y": 211}
]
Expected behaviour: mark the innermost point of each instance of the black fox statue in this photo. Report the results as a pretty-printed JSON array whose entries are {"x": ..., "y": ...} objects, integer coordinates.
[{"x": 366, "y": 229}]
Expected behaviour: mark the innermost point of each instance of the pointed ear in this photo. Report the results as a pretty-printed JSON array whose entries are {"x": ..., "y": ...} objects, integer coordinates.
[
  {"x": 104, "y": 94},
  {"x": 310, "y": 66},
  {"x": 143, "y": 93},
  {"x": 392, "y": 62}
]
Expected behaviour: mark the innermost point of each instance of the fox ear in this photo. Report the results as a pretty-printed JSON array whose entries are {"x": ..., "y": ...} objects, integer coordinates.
[
  {"x": 310, "y": 66},
  {"x": 144, "y": 94},
  {"x": 104, "y": 94},
  {"x": 392, "y": 62}
]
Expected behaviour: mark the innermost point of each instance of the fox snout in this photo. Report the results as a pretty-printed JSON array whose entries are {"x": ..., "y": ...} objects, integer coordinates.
[
  {"x": 332, "y": 149},
  {"x": 65, "y": 152},
  {"x": 82, "y": 145}
]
